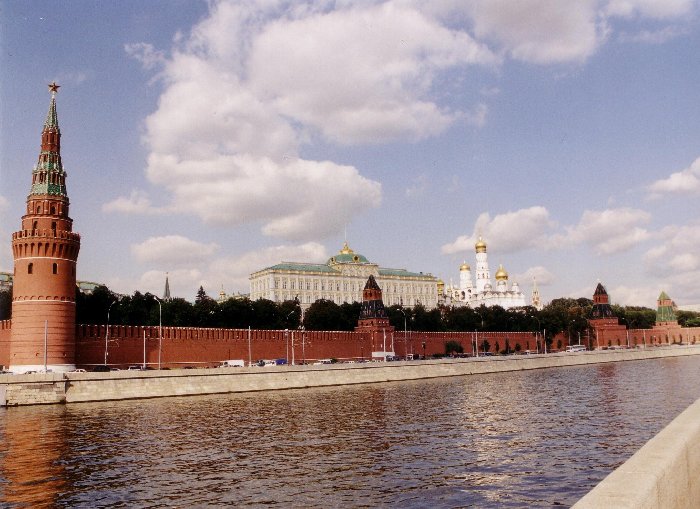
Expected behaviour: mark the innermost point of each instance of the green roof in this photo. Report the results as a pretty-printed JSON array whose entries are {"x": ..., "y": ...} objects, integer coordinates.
[
  {"x": 402, "y": 272},
  {"x": 302, "y": 267}
]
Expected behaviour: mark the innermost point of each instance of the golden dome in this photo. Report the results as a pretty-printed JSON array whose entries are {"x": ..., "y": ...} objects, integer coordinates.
[
  {"x": 501, "y": 274},
  {"x": 464, "y": 267},
  {"x": 346, "y": 249},
  {"x": 480, "y": 246}
]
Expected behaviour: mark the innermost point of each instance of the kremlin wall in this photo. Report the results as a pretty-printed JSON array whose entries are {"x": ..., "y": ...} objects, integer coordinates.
[{"x": 43, "y": 335}]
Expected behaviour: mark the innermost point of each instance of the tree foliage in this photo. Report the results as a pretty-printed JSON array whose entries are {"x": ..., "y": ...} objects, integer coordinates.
[{"x": 565, "y": 315}]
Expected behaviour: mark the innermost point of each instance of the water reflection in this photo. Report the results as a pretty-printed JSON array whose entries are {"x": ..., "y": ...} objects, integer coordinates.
[
  {"x": 527, "y": 439},
  {"x": 30, "y": 456}
]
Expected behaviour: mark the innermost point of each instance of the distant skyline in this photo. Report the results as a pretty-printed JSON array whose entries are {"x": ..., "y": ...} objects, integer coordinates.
[{"x": 213, "y": 139}]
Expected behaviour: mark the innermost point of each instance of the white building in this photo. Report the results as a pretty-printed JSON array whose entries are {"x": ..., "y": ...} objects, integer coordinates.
[
  {"x": 341, "y": 279},
  {"x": 477, "y": 291}
]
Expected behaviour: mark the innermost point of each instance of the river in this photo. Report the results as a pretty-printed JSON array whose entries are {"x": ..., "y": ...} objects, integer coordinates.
[{"x": 523, "y": 439}]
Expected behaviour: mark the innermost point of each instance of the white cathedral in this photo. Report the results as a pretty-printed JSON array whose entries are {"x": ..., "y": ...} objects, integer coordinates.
[{"x": 474, "y": 293}]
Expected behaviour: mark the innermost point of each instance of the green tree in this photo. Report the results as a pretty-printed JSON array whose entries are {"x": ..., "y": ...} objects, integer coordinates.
[
  {"x": 6, "y": 304},
  {"x": 323, "y": 315},
  {"x": 452, "y": 347}
]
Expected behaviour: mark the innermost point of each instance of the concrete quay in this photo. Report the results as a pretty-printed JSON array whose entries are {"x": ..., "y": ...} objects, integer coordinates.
[
  {"x": 60, "y": 388},
  {"x": 663, "y": 474}
]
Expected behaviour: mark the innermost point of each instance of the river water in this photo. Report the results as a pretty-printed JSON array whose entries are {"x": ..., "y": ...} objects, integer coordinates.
[{"x": 525, "y": 439}]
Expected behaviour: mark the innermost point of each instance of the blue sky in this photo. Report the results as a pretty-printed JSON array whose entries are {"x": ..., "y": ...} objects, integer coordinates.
[{"x": 212, "y": 139}]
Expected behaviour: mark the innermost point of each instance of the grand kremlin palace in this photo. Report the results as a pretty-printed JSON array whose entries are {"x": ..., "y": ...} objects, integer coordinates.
[{"x": 341, "y": 279}]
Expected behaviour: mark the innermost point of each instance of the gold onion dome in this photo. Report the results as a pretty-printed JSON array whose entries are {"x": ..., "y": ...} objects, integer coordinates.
[
  {"x": 480, "y": 246},
  {"x": 464, "y": 267},
  {"x": 501, "y": 273}
]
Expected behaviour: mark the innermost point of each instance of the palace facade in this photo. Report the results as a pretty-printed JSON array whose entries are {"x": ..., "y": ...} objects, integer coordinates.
[{"x": 341, "y": 279}]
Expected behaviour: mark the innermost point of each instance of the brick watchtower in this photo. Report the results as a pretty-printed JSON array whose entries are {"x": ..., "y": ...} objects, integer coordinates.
[
  {"x": 45, "y": 252},
  {"x": 373, "y": 319}
]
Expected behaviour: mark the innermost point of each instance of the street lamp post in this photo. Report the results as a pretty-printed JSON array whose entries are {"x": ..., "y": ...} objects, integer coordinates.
[
  {"x": 160, "y": 328},
  {"x": 107, "y": 329},
  {"x": 405, "y": 342},
  {"x": 286, "y": 340}
]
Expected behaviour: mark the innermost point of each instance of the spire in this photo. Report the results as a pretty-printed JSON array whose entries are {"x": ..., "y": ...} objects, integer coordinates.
[
  {"x": 166, "y": 293},
  {"x": 52, "y": 117},
  {"x": 48, "y": 177}
]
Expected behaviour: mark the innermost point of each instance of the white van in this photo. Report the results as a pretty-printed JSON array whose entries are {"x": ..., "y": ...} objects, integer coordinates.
[
  {"x": 576, "y": 348},
  {"x": 233, "y": 363}
]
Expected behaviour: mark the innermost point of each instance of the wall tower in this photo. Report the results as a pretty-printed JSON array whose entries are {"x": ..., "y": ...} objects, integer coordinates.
[{"x": 45, "y": 252}]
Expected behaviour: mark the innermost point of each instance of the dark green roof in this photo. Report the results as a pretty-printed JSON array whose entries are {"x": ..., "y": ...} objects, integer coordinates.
[
  {"x": 303, "y": 267},
  {"x": 402, "y": 272}
]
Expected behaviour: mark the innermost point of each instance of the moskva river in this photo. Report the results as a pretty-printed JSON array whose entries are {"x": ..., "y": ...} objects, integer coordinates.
[{"x": 528, "y": 439}]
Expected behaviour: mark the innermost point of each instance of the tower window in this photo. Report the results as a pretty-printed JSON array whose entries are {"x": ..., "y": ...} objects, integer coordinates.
[
  {"x": 55, "y": 268},
  {"x": 30, "y": 268},
  {"x": 35, "y": 225},
  {"x": 53, "y": 225},
  {"x": 53, "y": 210}
]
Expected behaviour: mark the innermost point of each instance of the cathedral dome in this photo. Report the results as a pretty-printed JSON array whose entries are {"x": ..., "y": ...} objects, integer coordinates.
[
  {"x": 347, "y": 255},
  {"x": 501, "y": 274},
  {"x": 480, "y": 246},
  {"x": 464, "y": 267}
]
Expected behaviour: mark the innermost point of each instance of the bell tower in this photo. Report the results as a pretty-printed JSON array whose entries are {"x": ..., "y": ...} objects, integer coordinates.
[{"x": 45, "y": 252}]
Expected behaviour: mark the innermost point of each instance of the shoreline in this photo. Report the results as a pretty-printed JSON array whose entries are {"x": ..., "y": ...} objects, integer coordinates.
[{"x": 68, "y": 388}]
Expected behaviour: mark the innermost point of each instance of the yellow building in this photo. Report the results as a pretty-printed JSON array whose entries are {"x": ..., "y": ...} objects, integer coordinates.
[{"x": 341, "y": 279}]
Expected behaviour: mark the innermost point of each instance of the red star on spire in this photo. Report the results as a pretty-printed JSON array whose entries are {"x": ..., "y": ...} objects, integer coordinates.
[{"x": 53, "y": 87}]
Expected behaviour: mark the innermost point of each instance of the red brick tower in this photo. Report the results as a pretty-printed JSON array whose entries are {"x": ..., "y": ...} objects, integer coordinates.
[
  {"x": 45, "y": 251},
  {"x": 606, "y": 327},
  {"x": 373, "y": 319}
]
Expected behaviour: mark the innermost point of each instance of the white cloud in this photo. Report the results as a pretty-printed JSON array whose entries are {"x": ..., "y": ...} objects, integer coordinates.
[
  {"x": 137, "y": 202},
  {"x": 145, "y": 53},
  {"x": 608, "y": 231},
  {"x": 506, "y": 233},
  {"x": 659, "y": 36},
  {"x": 233, "y": 272},
  {"x": 252, "y": 84},
  {"x": 541, "y": 275},
  {"x": 539, "y": 31},
  {"x": 655, "y": 9},
  {"x": 684, "y": 181},
  {"x": 360, "y": 75},
  {"x": 211, "y": 272},
  {"x": 642, "y": 295},
  {"x": 676, "y": 253},
  {"x": 172, "y": 250},
  {"x": 418, "y": 186}
]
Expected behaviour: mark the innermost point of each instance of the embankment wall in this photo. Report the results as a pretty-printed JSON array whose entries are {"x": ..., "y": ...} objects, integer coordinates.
[
  {"x": 81, "y": 387},
  {"x": 661, "y": 475}
]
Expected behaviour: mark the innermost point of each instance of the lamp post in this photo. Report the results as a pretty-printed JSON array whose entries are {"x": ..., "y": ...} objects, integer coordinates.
[
  {"x": 405, "y": 342},
  {"x": 160, "y": 328},
  {"x": 424, "y": 357},
  {"x": 107, "y": 329},
  {"x": 286, "y": 334},
  {"x": 539, "y": 325},
  {"x": 303, "y": 346}
]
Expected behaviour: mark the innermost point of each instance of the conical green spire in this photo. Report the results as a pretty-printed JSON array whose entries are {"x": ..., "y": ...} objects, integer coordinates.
[
  {"x": 48, "y": 177},
  {"x": 52, "y": 116}
]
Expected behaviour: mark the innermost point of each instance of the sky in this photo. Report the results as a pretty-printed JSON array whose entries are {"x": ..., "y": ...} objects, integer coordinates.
[{"x": 212, "y": 139}]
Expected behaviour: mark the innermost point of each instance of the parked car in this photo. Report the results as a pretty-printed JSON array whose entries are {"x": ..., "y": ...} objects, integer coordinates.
[{"x": 101, "y": 368}]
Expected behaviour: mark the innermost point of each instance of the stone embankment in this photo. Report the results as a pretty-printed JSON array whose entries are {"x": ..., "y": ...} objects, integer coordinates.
[
  {"x": 53, "y": 388},
  {"x": 661, "y": 475}
]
